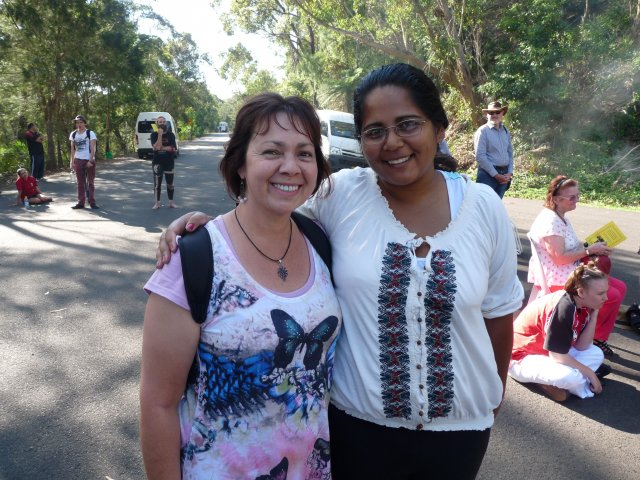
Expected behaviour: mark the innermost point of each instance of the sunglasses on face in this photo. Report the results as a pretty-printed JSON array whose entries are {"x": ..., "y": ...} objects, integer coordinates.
[
  {"x": 494, "y": 113},
  {"x": 571, "y": 198}
]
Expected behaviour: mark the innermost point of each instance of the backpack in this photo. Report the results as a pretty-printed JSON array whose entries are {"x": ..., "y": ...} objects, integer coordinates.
[
  {"x": 73, "y": 135},
  {"x": 196, "y": 256}
]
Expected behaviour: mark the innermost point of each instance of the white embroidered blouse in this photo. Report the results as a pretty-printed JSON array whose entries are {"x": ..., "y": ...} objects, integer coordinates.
[{"x": 414, "y": 351}]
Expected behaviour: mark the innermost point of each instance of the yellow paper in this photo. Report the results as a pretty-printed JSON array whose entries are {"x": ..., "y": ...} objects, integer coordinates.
[
  {"x": 154, "y": 127},
  {"x": 610, "y": 233}
]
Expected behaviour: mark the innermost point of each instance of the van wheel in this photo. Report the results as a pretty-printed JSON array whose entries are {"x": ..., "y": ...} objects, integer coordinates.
[{"x": 140, "y": 155}]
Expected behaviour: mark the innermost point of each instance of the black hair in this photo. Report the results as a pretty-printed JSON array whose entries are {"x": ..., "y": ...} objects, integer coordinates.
[
  {"x": 423, "y": 91},
  {"x": 30, "y": 125}
]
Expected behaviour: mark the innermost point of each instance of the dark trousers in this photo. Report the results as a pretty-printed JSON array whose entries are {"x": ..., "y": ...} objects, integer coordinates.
[
  {"x": 85, "y": 177},
  {"x": 160, "y": 168},
  {"x": 499, "y": 188},
  {"x": 37, "y": 165},
  {"x": 363, "y": 450}
]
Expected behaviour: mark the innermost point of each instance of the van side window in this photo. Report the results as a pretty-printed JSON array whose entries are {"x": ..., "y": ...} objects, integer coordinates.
[
  {"x": 343, "y": 129},
  {"x": 324, "y": 129},
  {"x": 146, "y": 126}
]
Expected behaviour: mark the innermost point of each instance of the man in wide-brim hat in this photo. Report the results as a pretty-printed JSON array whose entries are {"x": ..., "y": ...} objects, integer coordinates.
[{"x": 494, "y": 150}]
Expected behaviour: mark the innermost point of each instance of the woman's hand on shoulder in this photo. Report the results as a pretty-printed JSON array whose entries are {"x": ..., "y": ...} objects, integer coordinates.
[{"x": 168, "y": 244}]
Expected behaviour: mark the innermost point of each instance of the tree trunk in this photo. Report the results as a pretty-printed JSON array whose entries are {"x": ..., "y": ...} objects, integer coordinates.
[
  {"x": 49, "y": 128},
  {"x": 462, "y": 70},
  {"x": 585, "y": 14},
  {"x": 124, "y": 148},
  {"x": 636, "y": 22}
]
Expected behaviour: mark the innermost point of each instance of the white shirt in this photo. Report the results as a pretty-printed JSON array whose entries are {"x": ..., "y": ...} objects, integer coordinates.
[
  {"x": 414, "y": 351},
  {"x": 82, "y": 144},
  {"x": 548, "y": 224}
]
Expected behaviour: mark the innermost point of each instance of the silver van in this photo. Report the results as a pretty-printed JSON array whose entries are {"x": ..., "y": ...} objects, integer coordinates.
[{"x": 339, "y": 143}]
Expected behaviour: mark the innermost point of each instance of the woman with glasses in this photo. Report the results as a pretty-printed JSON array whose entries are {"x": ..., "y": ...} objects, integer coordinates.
[
  {"x": 424, "y": 265},
  {"x": 556, "y": 250},
  {"x": 553, "y": 338}
]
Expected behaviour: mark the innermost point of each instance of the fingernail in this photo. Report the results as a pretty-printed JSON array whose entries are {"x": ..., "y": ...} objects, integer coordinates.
[{"x": 190, "y": 226}]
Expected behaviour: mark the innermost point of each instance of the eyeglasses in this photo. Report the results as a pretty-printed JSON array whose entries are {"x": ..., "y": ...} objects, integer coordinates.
[
  {"x": 495, "y": 113},
  {"x": 571, "y": 198},
  {"x": 406, "y": 128}
]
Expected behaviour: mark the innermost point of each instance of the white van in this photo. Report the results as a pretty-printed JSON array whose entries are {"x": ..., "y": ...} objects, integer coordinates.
[
  {"x": 339, "y": 142},
  {"x": 146, "y": 125},
  {"x": 223, "y": 127}
]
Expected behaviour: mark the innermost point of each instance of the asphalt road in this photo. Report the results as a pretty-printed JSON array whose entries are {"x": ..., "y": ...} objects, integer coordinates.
[{"x": 71, "y": 323}]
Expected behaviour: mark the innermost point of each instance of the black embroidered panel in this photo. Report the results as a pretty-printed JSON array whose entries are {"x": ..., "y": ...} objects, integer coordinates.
[
  {"x": 393, "y": 336},
  {"x": 438, "y": 302}
]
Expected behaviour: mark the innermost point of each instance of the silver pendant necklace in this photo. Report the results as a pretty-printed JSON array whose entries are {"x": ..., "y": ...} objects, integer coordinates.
[{"x": 282, "y": 270}]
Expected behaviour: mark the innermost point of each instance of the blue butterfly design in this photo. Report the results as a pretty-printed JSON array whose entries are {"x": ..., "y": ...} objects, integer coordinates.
[
  {"x": 292, "y": 336},
  {"x": 234, "y": 387}
]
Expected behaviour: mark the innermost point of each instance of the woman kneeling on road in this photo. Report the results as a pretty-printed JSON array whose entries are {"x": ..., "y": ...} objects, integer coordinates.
[{"x": 553, "y": 338}]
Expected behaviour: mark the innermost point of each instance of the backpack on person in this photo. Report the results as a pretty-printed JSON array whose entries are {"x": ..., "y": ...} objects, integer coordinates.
[
  {"x": 196, "y": 256},
  {"x": 88, "y": 132}
]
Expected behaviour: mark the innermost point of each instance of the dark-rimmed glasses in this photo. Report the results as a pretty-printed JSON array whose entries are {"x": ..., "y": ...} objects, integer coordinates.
[{"x": 405, "y": 128}]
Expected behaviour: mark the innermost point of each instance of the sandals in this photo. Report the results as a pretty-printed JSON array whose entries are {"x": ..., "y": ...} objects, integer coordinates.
[
  {"x": 633, "y": 317},
  {"x": 604, "y": 346}
]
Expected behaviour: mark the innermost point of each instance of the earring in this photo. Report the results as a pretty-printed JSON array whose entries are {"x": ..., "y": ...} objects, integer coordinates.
[{"x": 242, "y": 197}]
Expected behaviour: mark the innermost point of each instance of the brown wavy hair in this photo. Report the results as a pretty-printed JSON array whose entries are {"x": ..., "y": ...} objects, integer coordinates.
[
  {"x": 254, "y": 118},
  {"x": 582, "y": 276},
  {"x": 555, "y": 186}
]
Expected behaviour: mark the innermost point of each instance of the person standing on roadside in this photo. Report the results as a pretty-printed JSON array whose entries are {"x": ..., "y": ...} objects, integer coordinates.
[
  {"x": 83, "y": 161},
  {"x": 36, "y": 150},
  {"x": 494, "y": 150},
  {"x": 164, "y": 151}
]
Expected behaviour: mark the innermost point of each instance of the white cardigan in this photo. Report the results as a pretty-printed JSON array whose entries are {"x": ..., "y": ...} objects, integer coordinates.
[{"x": 414, "y": 351}]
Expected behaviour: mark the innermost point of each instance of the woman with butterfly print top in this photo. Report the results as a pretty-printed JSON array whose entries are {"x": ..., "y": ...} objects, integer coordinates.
[
  {"x": 257, "y": 405},
  {"x": 424, "y": 264}
]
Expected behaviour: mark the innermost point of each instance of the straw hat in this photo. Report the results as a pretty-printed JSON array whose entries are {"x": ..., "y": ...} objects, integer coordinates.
[{"x": 495, "y": 107}]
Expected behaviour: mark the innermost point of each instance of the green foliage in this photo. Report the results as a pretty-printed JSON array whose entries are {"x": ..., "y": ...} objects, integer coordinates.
[
  {"x": 59, "y": 59},
  {"x": 13, "y": 155}
]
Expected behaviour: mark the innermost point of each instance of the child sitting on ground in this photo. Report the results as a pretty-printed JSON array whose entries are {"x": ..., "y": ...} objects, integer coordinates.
[{"x": 28, "y": 188}]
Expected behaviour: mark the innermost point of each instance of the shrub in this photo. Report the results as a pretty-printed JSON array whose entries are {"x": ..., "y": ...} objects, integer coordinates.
[{"x": 13, "y": 156}]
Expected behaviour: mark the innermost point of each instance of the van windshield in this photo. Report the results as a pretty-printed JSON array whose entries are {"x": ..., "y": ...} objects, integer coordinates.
[
  {"x": 343, "y": 129},
  {"x": 148, "y": 126}
]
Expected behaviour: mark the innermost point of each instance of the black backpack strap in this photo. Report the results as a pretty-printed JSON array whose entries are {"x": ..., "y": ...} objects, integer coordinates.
[
  {"x": 317, "y": 237},
  {"x": 196, "y": 255},
  {"x": 73, "y": 135}
]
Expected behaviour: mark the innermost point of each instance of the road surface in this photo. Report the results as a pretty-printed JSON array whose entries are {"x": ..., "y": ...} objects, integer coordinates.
[{"x": 71, "y": 323}]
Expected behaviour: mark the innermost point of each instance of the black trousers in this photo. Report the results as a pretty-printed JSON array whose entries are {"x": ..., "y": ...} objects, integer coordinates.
[
  {"x": 362, "y": 450},
  {"x": 163, "y": 166}
]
